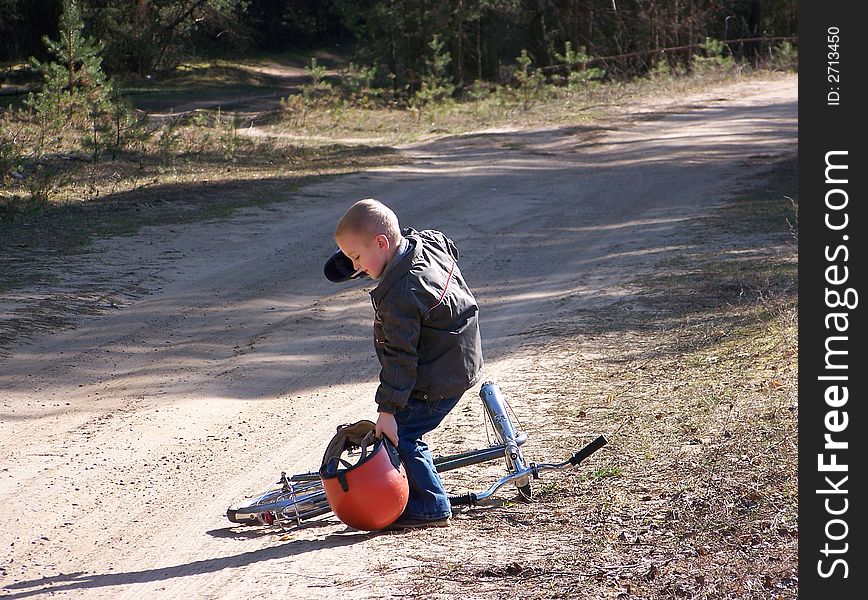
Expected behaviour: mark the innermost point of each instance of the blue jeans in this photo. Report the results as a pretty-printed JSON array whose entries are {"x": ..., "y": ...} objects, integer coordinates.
[{"x": 428, "y": 499}]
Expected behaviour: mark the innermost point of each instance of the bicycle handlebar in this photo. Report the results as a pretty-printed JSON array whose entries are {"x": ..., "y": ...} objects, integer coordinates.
[
  {"x": 472, "y": 498},
  {"x": 587, "y": 450}
]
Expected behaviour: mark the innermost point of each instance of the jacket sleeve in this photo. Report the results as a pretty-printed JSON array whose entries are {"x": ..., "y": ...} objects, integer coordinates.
[{"x": 397, "y": 328}]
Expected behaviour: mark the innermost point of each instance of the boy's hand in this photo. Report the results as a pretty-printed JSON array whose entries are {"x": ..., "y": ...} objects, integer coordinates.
[{"x": 388, "y": 426}]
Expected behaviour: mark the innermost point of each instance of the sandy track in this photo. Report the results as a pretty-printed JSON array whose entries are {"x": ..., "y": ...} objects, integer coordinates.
[{"x": 123, "y": 440}]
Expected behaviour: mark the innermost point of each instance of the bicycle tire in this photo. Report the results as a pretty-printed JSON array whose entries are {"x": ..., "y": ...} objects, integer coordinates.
[
  {"x": 232, "y": 515},
  {"x": 246, "y": 511},
  {"x": 288, "y": 507}
]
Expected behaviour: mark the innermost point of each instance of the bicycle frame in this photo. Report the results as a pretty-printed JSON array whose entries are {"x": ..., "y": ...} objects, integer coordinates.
[{"x": 301, "y": 497}]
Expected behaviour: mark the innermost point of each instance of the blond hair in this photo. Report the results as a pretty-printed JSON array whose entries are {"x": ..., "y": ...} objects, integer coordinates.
[{"x": 370, "y": 217}]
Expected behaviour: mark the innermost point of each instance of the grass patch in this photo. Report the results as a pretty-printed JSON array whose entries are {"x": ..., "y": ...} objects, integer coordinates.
[{"x": 498, "y": 107}]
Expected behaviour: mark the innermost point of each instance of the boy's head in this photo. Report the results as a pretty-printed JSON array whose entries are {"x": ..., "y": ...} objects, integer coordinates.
[{"x": 369, "y": 235}]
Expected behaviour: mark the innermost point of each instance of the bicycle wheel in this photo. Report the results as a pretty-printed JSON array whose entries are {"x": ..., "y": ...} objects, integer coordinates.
[
  {"x": 287, "y": 504},
  {"x": 506, "y": 432}
]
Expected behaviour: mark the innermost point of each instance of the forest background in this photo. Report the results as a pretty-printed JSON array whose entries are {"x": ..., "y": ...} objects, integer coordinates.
[
  {"x": 143, "y": 37},
  {"x": 103, "y": 97}
]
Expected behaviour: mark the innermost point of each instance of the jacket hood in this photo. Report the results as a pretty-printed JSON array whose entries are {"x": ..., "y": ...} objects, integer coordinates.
[{"x": 420, "y": 242}]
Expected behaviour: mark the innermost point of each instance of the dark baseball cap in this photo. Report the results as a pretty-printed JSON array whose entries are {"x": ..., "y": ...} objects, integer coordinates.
[{"x": 339, "y": 268}]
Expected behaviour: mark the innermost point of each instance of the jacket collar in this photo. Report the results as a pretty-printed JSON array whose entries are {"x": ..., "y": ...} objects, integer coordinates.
[{"x": 399, "y": 269}]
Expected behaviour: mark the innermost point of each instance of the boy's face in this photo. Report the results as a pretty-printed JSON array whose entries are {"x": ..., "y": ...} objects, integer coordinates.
[{"x": 371, "y": 254}]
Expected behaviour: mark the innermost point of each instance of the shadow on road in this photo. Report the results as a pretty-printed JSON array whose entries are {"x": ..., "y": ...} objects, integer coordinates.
[
  {"x": 588, "y": 215},
  {"x": 88, "y": 581}
]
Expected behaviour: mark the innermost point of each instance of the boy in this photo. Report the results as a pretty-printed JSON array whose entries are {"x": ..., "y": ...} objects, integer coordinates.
[{"x": 426, "y": 337}]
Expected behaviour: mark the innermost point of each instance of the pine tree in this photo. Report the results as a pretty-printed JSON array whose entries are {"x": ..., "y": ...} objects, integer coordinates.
[
  {"x": 76, "y": 93},
  {"x": 437, "y": 84}
]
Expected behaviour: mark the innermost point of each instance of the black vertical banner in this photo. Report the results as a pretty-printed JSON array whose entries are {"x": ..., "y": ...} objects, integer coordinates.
[{"x": 832, "y": 361}]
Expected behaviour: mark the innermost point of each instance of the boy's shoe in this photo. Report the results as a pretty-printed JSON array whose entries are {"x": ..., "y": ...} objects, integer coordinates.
[{"x": 406, "y": 523}]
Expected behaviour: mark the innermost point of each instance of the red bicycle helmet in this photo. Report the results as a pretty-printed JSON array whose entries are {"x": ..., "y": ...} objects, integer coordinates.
[{"x": 373, "y": 492}]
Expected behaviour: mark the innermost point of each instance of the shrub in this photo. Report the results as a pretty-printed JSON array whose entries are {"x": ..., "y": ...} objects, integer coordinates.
[
  {"x": 784, "y": 57},
  {"x": 437, "y": 85},
  {"x": 359, "y": 85},
  {"x": 575, "y": 65},
  {"x": 318, "y": 88},
  {"x": 715, "y": 58},
  {"x": 530, "y": 84}
]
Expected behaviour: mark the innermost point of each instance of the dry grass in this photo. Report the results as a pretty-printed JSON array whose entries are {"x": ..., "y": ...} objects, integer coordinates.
[{"x": 338, "y": 119}]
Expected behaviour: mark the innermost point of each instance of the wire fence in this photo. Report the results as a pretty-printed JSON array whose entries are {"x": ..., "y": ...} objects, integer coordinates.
[{"x": 749, "y": 48}]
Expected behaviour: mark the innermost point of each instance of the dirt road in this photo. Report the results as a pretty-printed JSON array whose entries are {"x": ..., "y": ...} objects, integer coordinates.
[{"x": 123, "y": 441}]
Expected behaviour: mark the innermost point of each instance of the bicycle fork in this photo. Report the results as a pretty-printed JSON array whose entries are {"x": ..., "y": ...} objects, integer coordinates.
[
  {"x": 505, "y": 433},
  {"x": 520, "y": 474}
]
